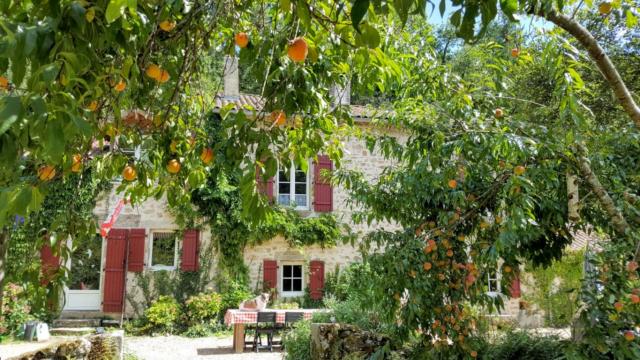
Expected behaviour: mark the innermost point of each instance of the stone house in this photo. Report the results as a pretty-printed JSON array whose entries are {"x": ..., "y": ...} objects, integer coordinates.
[{"x": 145, "y": 238}]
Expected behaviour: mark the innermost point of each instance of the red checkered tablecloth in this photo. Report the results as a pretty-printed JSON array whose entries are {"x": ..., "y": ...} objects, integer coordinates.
[{"x": 234, "y": 316}]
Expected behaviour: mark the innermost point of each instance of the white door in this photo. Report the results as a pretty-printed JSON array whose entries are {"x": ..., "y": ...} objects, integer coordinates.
[{"x": 83, "y": 292}]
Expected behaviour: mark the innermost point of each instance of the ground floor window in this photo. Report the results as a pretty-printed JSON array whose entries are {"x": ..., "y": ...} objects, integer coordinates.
[
  {"x": 292, "y": 280},
  {"x": 163, "y": 250},
  {"x": 493, "y": 283},
  {"x": 85, "y": 264}
]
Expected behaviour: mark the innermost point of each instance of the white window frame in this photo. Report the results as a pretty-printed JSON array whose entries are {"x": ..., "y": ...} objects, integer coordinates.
[
  {"x": 292, "y": 187},
  {"x": 290, "y": 294},
  {"x": 498, "y": 291},
  {"x": 175, "y": 251}
]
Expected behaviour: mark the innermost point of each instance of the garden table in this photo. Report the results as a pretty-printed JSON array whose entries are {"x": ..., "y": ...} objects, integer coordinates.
[{"x": 238, "y": 318}]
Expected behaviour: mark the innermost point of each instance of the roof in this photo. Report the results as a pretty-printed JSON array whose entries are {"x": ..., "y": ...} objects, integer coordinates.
[{"x": 257, "y": 102}]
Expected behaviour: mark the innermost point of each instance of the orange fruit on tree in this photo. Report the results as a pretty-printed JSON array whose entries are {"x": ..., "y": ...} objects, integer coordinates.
[
  {"x": 298, "y": 49},
  {"x": 507, "y": 269},
  {"x": 498, "y": 113},
  {"x": 173, "y": 166},
  {"x": 76, "y": 164},
  {"x": 206, "y": 155},
  {"x": 452, "y": 184},
  {"x": 604, "y": 8},
  {"x": 167, "y": 25},
  {"x": 46, "y": 172},
  {"x": 634, "y": 298},
  {"x": 519, "y": 170},
  {"x": 629, "y": 336},
  {"x": 120, "y": 86},
  {"x": 632, "y": 266},
  {"x": 449, "y": 253},
  {"x": 278, "y": 118},
  {"x": 153, "y": 71},
  {"x": 164, "y": 76},
  {"x": 515, "y": 52},
  {"x": 93, "y": 106},
  {"x": 4, "y": 82},
  {"x": 618, "y": 306},
  {"x": 242, "y": 40},
  {"x": 129, "y": 173},
  {"x": 474, "y": 354},
  {"x": 427, "y": 266}
]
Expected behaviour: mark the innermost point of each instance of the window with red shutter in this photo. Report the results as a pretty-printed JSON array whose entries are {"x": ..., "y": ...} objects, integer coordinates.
[
  {"x": 264, "y": 187},
  {"x": 113, "y": 285},
  {"x": 270, "y": 274},
  {"x": 190, "y": 248},
  {"x": 316, "y": 279},
  {"x": 323, "y": 193},
  {"x": 137, "y": 239},
  {"x": 49, "y": 264}
]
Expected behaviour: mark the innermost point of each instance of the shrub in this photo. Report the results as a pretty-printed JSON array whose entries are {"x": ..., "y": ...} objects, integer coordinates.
[
  {"x": 233, "y": 293},
  {"x": 520, "y": 345},
  {"x": 203, "y": 307},
  {"x": 163, "y": 314},
  {"x": 206, "y": 329},
  {"x": 15, "y": 311},
  {"x": 297, "y": 341}
]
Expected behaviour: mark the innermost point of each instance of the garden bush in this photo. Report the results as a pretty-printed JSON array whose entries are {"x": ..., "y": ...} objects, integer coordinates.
[
  {"x": 162, "y": 315},
  {"x": 297, "y": 341},
  {"x": 519, "y": 345},
  {"x": 15, "y": 311},
  {"x": 233, "y": 293},
  {"x": 203, "y": 307}
]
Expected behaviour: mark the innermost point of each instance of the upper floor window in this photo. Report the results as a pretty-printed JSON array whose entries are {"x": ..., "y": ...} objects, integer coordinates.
[
  {"x": 293, "y": 187},
  {"x": 163, "y": 250}
]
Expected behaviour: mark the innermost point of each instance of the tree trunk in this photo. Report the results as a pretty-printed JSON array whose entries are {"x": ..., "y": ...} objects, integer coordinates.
[
  {"x": 601, "y": 59},
  {"x": 4, "y": 246}
]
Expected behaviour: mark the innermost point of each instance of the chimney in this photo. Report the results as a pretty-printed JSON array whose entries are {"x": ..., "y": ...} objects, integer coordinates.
[
  {"x": 341, "y": 95},
  {"x": 231, "y": 78}
]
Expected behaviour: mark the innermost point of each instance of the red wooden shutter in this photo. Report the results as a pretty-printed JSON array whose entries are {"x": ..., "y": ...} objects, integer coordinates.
[
  {"x": 190, "y": 245},
  {"x": 113, "y": 287},
  {"x": 515, "y": 287},
  {"x": 264, "y": 187},
  {"x": 316, "y": 281},
  {"x": 136, "y": 250},
  {"x": 270, "y": 274},
  {"x": 49, "y": 264},
  {"x": 323, "y": 194}
]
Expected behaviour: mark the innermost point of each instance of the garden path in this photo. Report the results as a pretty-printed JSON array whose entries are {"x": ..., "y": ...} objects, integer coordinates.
[{"x": 183, "y": 348}]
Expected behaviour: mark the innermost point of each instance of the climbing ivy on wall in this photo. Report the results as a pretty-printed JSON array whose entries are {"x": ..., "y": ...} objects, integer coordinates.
[
  {"x": 554, "y": 289},
  {"x": 219, "y": 203},
  {"x": 67, "y": 211}
]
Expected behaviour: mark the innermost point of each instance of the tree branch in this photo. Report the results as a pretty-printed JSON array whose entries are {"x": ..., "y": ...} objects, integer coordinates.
[
  {"x": 620, "y": 225},
  {"x": 601, "y": 59}
]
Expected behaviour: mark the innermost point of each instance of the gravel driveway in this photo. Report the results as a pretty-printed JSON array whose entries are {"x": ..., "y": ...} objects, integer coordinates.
[{"x": 182, "y": 348}]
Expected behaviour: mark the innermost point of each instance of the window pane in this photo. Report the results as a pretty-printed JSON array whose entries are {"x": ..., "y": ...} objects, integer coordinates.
[
  {"x": 286, "y": 285},
  {"x": 297, "y": 271},
  {"x": 164, "y": 249},
  {"x": 284, "y": 199},
  {"x": 301, "y": 189},
  {"x": 85, "y": 265},
  {"x": 283, "y": 176},
  {"x": 286, "y": 271},
  {"x": 284, "y": 188},
  {"x": 297, "y": 284}
]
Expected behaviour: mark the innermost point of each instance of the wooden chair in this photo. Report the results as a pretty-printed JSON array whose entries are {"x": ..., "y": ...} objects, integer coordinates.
[
  {"x": 265, "y": 324},
  {"x": 289, "y": 319}
]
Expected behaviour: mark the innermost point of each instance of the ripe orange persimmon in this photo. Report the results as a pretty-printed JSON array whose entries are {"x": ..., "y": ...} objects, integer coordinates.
[
  {"x": 278, "y": 118},
  {"x": 449, "y": 253},
  {"x": 153, "y": 71},
  {"x": 452, "y": 184},
  {"x": 242, "y": 39},
  {"x": 519, "y": 170},
  {"x": 167, "y": 25},
  {"x": 498, "y": 113},
  {"x": 632, "y": 266},
  {"x": 76, "y": 164},
  {"x": 618, "y": 306},
  {"x": 507, "y": 269},
  {"x": 164, "y": 76},
  {"x": 129, "y": 173},
  {"x": 4, "y": 82},
  {"x": 93, "y": 106},
  {"x": 629, "y": 336},
  {"x": 515, "y": 52},
  {"x": 298, "y": 49},
  {"x": 206, "y": 155},
  {"x": 474, "y": 354},
  {"x": 173, "y": 166},
  {"x": 634, "y": 298},
  {"x": 427, "y": 266},
  {"x": 46, "y": 172},
  {"x": 604, "y": 8},
  {"x": 120, "y": 86}
]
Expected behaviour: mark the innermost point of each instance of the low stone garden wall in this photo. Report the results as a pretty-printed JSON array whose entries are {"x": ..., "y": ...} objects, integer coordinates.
[
  {"x": 340, "y": 341},
  {"x": 107, "y": 346}
]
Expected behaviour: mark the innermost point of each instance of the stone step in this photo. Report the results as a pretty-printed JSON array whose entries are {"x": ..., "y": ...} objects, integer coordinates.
[
  {"x": 76, "y": 323},
  {"x": 72, "y": 331},
  {"x": 81, "y": 314}
]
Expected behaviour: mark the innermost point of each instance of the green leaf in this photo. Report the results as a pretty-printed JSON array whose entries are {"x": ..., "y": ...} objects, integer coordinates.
[
  {"x": 370, "y": 36},
  {"x": 456, "y": 17},
  {"x": 21, "y": 200},
  {"x": 115, "y": 9},
  {"x": 10, "y": 107},
  {"x": 442, "y": 7},
  {"x": 358, "y": 11},
  {"x": 54, "y": 143},
  {"x": 509, "y": 7},
  {"x": 631, "y": 20},
  {"x": 30, "y": 40},
  {"x": 303, "y": 13},
  {"x": 36, "y": 199}
]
